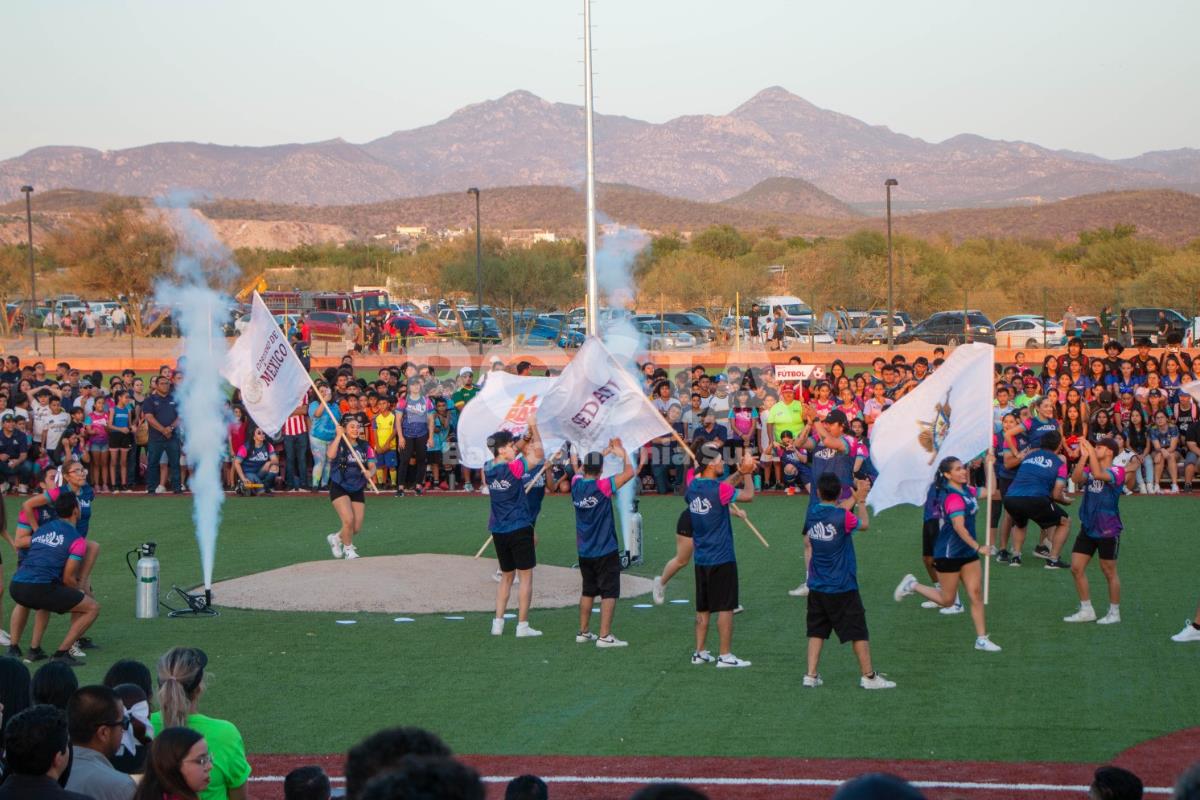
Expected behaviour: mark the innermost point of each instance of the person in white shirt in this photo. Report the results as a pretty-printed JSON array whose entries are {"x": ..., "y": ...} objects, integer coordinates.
[{"x": 54, "y": 425}]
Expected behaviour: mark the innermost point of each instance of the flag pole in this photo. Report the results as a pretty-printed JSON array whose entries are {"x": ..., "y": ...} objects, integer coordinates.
[{"x": 989, "y": 464}]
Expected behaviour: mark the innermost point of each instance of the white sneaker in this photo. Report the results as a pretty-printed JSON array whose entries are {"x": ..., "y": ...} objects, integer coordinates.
[
  {"x": 350, "y": 551},
  {"x": 876, "y": 681},
  {"x": 498, "y": 627},
  {"x": 467, "y": 487},
  {"x": 1174, "y": 489},
  {"x": 523, "y": 630},
  {"x": 905, "y": 588},
  {"x": 1142, "y": 489},
  {"x": 161, "y": 489},
  {"x": 730, "y": 660},
  {"x": 1082, "y": 615},
  {"x": 957, "y": 608},
  {"x": 585, "y": 637},
  {"x": 705, "y": 657},
  {"x": 5, "y": 639},
  {"x": 483, "y": 489},
  {"x": 930, "y": 604},
  {"x": 739, "y": 609},
  {"x": 610, "y": 641},
  {"x": 658, "y": 590},
  {"x": 22, "y": 488},
  {"x": 1111, "y": 618},
  {"x": 986, "y": 644},
  {"x": 813, "y": 681},
  {"x": 1188, "y": 634},
  {"x": 4, "y": 487},
  {"x": 496, "y": 575},
  {"x": 335, "y": 544},
  {"x": 1126, "y": 491},
  {"x": 76, "y": 651},
  {"x": 799, "y": 591}
]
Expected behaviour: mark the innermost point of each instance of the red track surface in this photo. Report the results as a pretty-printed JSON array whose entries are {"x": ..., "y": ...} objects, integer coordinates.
[{"x": 1158, "y": 762}]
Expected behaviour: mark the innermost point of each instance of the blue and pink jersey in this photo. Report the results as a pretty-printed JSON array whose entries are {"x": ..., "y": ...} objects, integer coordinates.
[
  {"x": 838, "y": 461},
  {"x": 833, "y": 567},
  {"x": 506, "y": 492},
  {"x": 595, "y": 530},
  {"x": 1019, "y": 443},
  {"x": 1038, "y": 474},
  {"x": 956, "y": 503},
  {"x": 1038, "y": 428},
  {"x": 53, "y": 545},
  {"x": 1099, "y": 517},
  {"x": 534, "y": 496},
  {"x": 712, "y": 534}
]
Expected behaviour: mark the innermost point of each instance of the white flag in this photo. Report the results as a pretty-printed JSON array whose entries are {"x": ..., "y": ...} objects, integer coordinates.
[
  {"x": 265, "y": 367},
  {"x": 594, "y": 400},
  {"x": 949, "y": 414},
  {"x": 503, "y": 404},
  {"x": 1192, "y": 388}
]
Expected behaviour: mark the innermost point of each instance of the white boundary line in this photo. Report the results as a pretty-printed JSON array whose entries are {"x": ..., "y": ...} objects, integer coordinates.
[{"x": 617, "y": 780}]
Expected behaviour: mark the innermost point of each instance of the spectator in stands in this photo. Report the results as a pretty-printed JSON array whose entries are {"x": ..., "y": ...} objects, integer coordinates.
[
  {"x": 15, "y": 694},
  {"x": 423, "y": 778},
  {"x": 54, "y": 684},
  {"x": 306, "y": 783},
  {"x": 526, "y": 787},
  {"x": 181, "y": 684},
  {"x": 668, "y": 791},
  {"x": 384, "y": 751},
  {"x": 180, "y": 767},
  {"x": 130, "y": 757},
  {"x": 877, "y": 786},
  {"x": 96, "y": 721},
  {"x": 37, "y": 751},
  {"x": 15, "y": 468},
  {"x": 1114, "y": 783},
  {"x": 160, "y": 412}
]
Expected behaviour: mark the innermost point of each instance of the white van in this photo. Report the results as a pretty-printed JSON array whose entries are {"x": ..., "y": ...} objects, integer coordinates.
[{"x": 794, "y": 309}]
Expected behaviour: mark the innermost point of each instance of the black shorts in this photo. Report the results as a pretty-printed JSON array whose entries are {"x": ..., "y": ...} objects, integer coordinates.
[
  {"x": 1002, "y": 485},
  {"x": 717, "y": 587},
  {"x": 1106, "y": 548},
  {"x": 684, "y": 526},
  {"x": 54, "y": 597},
  {"x": 952, "y": 564},
  {"x": 515, "y": 549},
  {"x": 336, "y": 491},
  {"x": 1041, "y": 510},
  {"x": 929, "y": 534},
  {"x": 117, "y": 440},
  {"x": 841, "y": 612},
  {"x": 601, "y": 576}
]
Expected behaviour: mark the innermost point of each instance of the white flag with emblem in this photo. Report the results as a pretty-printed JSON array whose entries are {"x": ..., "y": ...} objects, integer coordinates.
[
  {"x": 503, "y": 404},
  {"x": 949, "y": 414},
  {"x": 594, "y": 400},
  {"x": 263, "y": 365}
]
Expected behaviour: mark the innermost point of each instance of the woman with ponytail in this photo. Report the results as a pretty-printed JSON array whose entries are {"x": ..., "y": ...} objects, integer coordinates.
[
  {"x": 181, "y": 684},
  {"x": 956, "y": 551},
  {"x": 179, "y": 767}
]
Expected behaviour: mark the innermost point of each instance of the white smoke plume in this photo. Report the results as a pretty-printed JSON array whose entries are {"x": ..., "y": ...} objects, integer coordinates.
[{"x": 199, "y": 311}]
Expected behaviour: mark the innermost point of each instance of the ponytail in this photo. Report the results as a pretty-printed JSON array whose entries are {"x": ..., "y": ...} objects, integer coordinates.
[{"x": 180, "y": 678}]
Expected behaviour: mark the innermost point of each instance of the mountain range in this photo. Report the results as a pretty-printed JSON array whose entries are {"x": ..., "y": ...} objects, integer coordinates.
[{"x": 521, "y": 139}]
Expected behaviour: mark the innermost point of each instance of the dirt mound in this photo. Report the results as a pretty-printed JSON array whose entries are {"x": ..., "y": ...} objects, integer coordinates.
[{"x": 415, "y": 584}]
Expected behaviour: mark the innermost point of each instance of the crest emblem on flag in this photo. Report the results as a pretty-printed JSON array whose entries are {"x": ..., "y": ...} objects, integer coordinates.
[{"x": 934, "y": 432}]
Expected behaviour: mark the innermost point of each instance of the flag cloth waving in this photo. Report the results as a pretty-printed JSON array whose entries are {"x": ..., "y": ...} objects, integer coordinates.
[
  {"x": 594, "y": 400},
  {"x": 263, "y": 365},
  {"x": 949, "y": 414},
  {"x": 503, "y": 404}
]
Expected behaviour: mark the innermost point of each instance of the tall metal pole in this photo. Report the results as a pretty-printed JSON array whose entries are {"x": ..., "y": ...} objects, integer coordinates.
[
  {"x": 478, "y": 266},
  {"x": 891, "y": 319},
  {"x": 593, "y": 288},
  {"x": 28, "y": 190}
]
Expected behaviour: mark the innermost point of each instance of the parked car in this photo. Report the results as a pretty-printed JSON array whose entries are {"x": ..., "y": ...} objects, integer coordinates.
[
  {"x": 899, "y": 325},
  {"x": 411, "y": 326},
  {"x": 664, "y": 335},
  {"x": 794, "y": 309},
  {"x": 804, "y": 333},
  {"x": 854, "y": 327},
  {"x": 327, "y": 324},
  {"x": 951, "y": 328},
  {"x": 1145, "y": 322},
  {"x": 1090, "y": 331},
  {"x": 1022, "y": 331}
]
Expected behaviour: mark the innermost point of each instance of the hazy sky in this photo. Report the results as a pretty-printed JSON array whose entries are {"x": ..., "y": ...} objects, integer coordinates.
[{"x": 1113, "y": 78}]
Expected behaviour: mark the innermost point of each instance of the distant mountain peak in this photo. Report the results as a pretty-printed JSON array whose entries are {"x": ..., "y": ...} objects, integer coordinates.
[{"x": 775, "y": 97}]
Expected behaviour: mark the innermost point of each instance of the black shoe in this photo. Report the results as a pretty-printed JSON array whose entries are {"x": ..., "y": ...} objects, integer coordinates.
[
  {"x": 1003, "y": 557},
  {"x": 178, "y": 491},
  {"x": 1057, "y": 563},
  {"x": 1041, "y": 551},
  {"x": 65, "y": 657},
  {"x": 1015, "y": 561},
  {"x": 400, "y": 492},
  {"x": 268, "y": 493},
  {"x": 35, "y": 654},
  {"x": 419, "y": 490},
  {"x": 14, "y": 651},
  {"x": 86, "y": 643}
]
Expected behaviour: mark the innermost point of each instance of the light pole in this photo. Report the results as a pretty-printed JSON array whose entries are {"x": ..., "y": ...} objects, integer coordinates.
[
  {"x": 887, "y": 185},
  {"x": 478, "y": 267},
  {"x": 28, "y": 190}
]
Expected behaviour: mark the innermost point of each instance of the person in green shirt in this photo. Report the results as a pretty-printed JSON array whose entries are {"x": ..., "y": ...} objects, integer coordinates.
[
  {"x": 786, "y": 415},
  {"x": 180, "y": 687},
  {"x": 1029, "y": 396},
  {"x": 466, "y": 392}
]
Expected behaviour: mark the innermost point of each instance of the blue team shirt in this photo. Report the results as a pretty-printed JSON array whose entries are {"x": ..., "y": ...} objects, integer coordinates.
[
  {"x": 1038, "y": 473},
  {"x": 53, "y": 545},
  {"x": 833, "y": 567},
  {"x": 1022, "y": 441},
  {"x": 534, "y": 496},
  {"x": 85, "y": 495},
  {"x": 712, "y": 534},
  {"x": 956, "y": 503},
  {"x": 595, "y": 530},
  {"x": 1039, "y": 428},
  {"x": 1099, "y": 517},
  {"x": 510, "y": 510},
  {"x": 345, "y": 471},
  {"x": 933, "y": 503},
  {"x": 826, "y": 459}
]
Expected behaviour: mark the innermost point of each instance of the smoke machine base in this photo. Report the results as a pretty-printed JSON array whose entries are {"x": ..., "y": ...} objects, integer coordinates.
[{"x": 198, "y": 605}]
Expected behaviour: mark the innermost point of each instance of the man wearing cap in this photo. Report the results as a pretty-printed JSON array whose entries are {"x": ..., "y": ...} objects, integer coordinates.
[
  {"x": 1029, "y": 396},
  {"x": 786, "y": 415},
  {"x": 15, "y": 467},
  {"x": 1099, "y": 527},
  {"x": 710, "y": 431}
]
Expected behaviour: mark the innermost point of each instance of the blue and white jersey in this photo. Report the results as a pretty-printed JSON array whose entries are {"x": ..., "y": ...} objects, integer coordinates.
[
  {"x": 1037, "y": 475},
  {"x": 827, "y": 459},
  {"x": 833, "y": 567},
  {"x": 537, "y": 494},
  {"x": 1099, "y": 516},
  {"x": 85, "y": 495},
  {"x": 1038, "y": 428},
  {"x": 712, "y": 534},
  {"x": 1002, "y": 447},
  {"x": 595, "y": 530},
  {"x": 956, "y": 504},
  {"x": 510, "y": 511}
]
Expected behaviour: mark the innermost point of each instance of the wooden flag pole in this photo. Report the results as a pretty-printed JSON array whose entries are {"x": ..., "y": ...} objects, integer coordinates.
[
  {"x": 486, "y": 542},
  {"x": 990, "y": 465},
  {"x": 545, "y": 464}
]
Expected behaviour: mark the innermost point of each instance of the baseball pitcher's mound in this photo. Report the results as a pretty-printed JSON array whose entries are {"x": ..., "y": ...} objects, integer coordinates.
[{"x": 417, "y": 584}]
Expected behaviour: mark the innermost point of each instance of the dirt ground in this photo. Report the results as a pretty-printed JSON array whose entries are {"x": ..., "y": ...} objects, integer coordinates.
[{"x": 413, "y": 584}]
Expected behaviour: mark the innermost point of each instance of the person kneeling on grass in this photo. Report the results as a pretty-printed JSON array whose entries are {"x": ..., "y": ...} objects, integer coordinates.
[
  {"x": 709, "y": 501},
  {"x": 956, "y": 551},
  {"x": 1099, "y": 527},
  {"x": 511, "y": 524},
  {"x": 596, "y": 540},
  {"x": 833, "y": 600},
  {"x": 50, "y": 575}
]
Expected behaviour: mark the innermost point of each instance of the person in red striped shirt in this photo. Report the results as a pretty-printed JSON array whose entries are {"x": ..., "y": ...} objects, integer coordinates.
[{"x": 295, "y": 448}]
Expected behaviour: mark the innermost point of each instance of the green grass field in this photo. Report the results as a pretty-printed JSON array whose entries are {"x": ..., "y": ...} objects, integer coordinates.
[{"x": 299, "y": 683}]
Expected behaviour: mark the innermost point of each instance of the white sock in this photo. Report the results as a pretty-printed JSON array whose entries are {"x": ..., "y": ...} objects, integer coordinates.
[
  {"x": 1114, "y": 608},
  {"x": 1085, "y": 605},
  {"x": 726, "y": 655}
]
